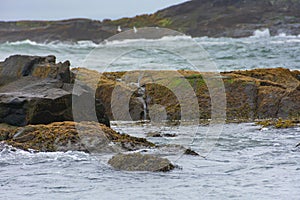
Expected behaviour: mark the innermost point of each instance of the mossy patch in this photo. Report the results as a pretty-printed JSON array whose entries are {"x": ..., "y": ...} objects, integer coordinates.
[
  {"x": 165, "y": 22},
  {"x": 277, "y": 123},
  {"x": 66, "y": 136}
]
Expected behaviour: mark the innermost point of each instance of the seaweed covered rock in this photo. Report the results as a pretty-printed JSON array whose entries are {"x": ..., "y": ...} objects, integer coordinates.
[
  {"x": 251, "y": 94},
  {"x": 275, "y": 93},
  {"x": 277, "y": 123},
  {"x": 71, "y": 136},
  {"x": 5, "y": 131},
  {"x": 106, "y": 85},
  {"x": 140, "y": 162},
  {"x": 36, "y": 90}
]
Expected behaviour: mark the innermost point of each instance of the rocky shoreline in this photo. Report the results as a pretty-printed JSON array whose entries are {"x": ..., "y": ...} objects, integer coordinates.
[
  {"x": 217, "y": 18},
  {"x": 36, "y": 114},
  {"x": 251, "y": 95}
]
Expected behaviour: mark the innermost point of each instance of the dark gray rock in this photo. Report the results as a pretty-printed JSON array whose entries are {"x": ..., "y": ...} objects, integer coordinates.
[
  {"x": 35, "y": 90},
  {"x": 18, "y": 66},
  {"x": 140, "y": 162}
]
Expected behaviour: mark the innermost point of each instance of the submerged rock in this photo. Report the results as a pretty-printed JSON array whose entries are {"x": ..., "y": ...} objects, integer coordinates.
[
  {"x": 140, "y": 162},
  {"x": 191, "y": 152},
  {"x": 154, "y": 134}
]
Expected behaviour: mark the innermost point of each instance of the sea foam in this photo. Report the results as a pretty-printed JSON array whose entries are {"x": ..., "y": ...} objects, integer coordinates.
[{"x": 265, "y": 33}]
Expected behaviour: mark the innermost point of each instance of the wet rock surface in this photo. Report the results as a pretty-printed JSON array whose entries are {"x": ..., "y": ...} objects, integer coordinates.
[
  {"x": 278, "y": 123},
  {"x": 250, "y": 95},
  {"x": 36, "y": 90},
  {"x": 91, "y": 137},
  {"x": 140, "y": 162}
]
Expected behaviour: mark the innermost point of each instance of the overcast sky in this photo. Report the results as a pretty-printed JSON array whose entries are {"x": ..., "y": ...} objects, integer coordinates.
[{"x": 65, "y": 9}]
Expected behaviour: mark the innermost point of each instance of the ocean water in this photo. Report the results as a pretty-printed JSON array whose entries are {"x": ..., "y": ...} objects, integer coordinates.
[
  {"x": 245, "y": 162},
  {"x": 258, "y": 51}
]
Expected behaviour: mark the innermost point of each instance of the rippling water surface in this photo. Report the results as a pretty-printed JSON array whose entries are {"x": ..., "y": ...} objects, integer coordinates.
[
  {"x": 246, "y": 163},
  {"x": 228, "y": 53}
]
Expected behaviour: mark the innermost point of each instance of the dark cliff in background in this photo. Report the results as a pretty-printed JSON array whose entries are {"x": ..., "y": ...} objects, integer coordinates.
[
  {"x": 234, "y": 18},
  {"x": 214, "y": 18}
]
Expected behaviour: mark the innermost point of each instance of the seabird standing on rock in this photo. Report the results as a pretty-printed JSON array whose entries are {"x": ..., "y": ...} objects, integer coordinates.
[
  {"x": 135, "y": 30},
  {"x": 119, "y": 29}
]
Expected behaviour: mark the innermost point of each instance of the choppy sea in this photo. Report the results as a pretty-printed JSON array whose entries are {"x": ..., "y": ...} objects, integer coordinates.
[{"x": 246, "y": 162}]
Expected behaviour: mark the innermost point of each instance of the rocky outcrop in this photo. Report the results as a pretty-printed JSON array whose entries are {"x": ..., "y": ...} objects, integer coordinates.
[
  {"x": 276, "y": 89},
  {"x": 47, "y": 31},
  {"x": 17, "y": 66},
  {"x": 250, "y": 95},
  {"x": 140, "y": 162},
  {"x": 91, "y": 137},
  {"x": 214, "y": 18},
  {"x": 36, "y": 90}
]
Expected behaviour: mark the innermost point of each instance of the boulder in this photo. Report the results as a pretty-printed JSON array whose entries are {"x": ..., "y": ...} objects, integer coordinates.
[
  {"x": 35, "y": 90},
  {"x": 140, "y": 162},
  {"x": 18, "y": 66}
]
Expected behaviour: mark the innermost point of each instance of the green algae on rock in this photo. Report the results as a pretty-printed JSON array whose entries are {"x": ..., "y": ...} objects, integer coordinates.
[
  {"x": 278, "y": 123},
  {"x": 252, "y": 94},
  {"x": 90, "y": 137}
]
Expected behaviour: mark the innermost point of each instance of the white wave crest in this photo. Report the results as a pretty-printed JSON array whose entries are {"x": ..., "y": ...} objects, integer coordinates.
[
  {"x": 16, "y": 43},
  {"x": 79, "y": 44},
  {"x": 91, "y": 44},
  {"x": 284, "y": 35},
  {"x": 163, "y": 39},
  {"x": 265, "y": 33}
]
